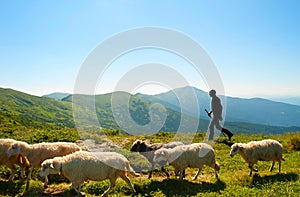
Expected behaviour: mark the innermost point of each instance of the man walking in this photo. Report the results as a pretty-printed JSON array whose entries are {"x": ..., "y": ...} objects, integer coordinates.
[{"x": 216, "y": 110}]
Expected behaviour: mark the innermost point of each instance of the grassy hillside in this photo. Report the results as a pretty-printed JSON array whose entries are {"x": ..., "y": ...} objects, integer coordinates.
[
  {"x": 21, "y": 109},
  {"x": 233, "y": 176},
  {"x": 20, "y": 112}
]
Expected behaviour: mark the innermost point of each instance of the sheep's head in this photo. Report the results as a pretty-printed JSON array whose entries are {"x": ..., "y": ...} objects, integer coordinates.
[
  {"x": 49, "y": 167},
  {"x": 235, "y": 149},
  {"x": 160, "y": 156},
  {"x": 14, "y": 149},
  {"x": 139, "y": 146}
]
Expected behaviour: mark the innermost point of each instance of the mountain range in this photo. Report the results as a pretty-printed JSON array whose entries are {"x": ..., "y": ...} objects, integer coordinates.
[
  {"x": 242, "y": 115},
  {"x": 254, "y": 110}
]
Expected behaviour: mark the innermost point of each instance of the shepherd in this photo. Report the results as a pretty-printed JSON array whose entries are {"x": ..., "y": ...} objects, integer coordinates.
[{"x": 216, "y": 110}]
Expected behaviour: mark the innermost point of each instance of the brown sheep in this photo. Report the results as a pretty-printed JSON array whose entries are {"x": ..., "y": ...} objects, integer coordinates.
[
  {"x": 37, "y": 153},
  {"x": 147, "y": 150},
  {"x": 11, "y": 161}
]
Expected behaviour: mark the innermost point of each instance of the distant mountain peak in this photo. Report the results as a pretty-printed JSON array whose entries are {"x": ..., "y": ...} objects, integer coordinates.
[{"x": 57, "y": 95}]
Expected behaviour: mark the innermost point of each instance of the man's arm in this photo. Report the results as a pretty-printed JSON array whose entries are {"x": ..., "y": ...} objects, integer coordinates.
[{"x": 208, "y": 113}]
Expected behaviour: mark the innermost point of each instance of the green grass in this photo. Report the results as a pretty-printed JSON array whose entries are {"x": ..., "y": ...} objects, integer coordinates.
[{"x": 233, "y": 176}]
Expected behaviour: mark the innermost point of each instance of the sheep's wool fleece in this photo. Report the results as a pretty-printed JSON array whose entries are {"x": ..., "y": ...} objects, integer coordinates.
[
  {"x": 195, "y": 155},
  {"x": 265, "y": 150},
  {"x": 37, "y": 153},
  {"x": 83, "y": 165}
]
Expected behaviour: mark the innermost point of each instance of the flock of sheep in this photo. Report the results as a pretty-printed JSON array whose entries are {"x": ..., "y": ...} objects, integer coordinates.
[{"x": 78, "y": 166}]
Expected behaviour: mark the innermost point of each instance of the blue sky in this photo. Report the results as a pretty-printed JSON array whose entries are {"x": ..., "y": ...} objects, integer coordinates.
[{"x": 255, "y": 45}]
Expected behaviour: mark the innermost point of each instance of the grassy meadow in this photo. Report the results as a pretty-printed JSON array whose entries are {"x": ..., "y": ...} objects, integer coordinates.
[{"x": 233, "y": 175}]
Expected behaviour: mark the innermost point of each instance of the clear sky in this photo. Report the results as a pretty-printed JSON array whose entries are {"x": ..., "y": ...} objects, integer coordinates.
[{"x": 255, "y": 45}]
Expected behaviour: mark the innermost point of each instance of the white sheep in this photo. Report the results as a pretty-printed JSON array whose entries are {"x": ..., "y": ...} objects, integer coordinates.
[
  {"x": 193, "y": 155},
  {"x": 264, "y": 150},
  {"x": 82, "y": 165},
  {"x": 11, "y": 161},
  {"x": 147, "y": 150},
  {"x": 37, "y": 153}
]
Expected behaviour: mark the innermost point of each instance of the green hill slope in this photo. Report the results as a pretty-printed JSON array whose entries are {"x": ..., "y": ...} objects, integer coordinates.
[
  {"x": 18, "y": 109},
  {"x": 139, "y": 112},
  {"x": 21, "y": 109}
]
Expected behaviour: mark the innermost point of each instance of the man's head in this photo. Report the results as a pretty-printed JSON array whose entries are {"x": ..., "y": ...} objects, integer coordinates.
[{"x": 212, "y": 93}]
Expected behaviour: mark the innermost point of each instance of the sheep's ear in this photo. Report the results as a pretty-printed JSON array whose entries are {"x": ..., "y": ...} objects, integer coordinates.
[
  {"x": 240, "y": 147},
  {"x": 147, "y": 141},
  {"x": 51, "y": 166},
  {"x": 19, "y": 149}
]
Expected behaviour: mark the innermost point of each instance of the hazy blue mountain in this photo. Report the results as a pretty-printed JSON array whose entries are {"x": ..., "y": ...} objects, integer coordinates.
[
  {"x": 262, "y": 111},
  {"x": 254, "y": 110},
  {"x": 57, "y": 95},
  {"x": 183, "y": 96},
  {"x": 289, "y": 100}
]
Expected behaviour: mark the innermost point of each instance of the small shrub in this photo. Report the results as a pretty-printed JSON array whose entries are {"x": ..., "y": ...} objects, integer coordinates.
[{"x": 295, "y": 143}]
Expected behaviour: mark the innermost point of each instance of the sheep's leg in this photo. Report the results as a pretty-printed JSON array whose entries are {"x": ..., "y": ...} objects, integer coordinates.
[
  {"x": 13, "y": 172},
  {"x": 251, "y": 168},
  {"x": 23, "y": 175},
  {"x": 29, "y": 174},
  {"x": 28, "y": 177},
  {"x": 79, "y": 190},
  {"x": 165, "y": 171},
  {"x": 151, "y": 169},
  {"x": 76, "y": 188},
  {"x": 272, "y": 166},
  {"x": 195, "y": 177},
  {"x": 46, "y": 181},
  {"x": 22, "y": 165},
  {"x": 216, "y": 174},
  {"x": 150, "y": 174},
  {"x": 181, "y": 175},
  {"x": 279, "y": 166},
  {"x": 112, "y": 185},
  {"x": 177, "y": 173},
  {"x": 125, "y": 178}
]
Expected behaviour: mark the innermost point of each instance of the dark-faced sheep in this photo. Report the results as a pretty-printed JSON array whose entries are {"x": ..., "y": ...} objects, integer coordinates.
[
  {"x": 147, "y": 150},
  {"x": 264, "y": 150}
]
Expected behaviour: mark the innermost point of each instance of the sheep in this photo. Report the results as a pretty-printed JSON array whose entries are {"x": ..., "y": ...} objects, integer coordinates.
[
  {"x": 147, "y": 150},
  {"x": 192, "y": 155},
  {"x": 264, "y": 150},
  {"x": 82, "y": 165},
  {"x": 37, "y": 153},
  {"x": 10, "y": 161}
]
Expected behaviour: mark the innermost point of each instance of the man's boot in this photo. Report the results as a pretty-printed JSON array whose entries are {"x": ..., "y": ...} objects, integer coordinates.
[{"x": 228, "y": 133}]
